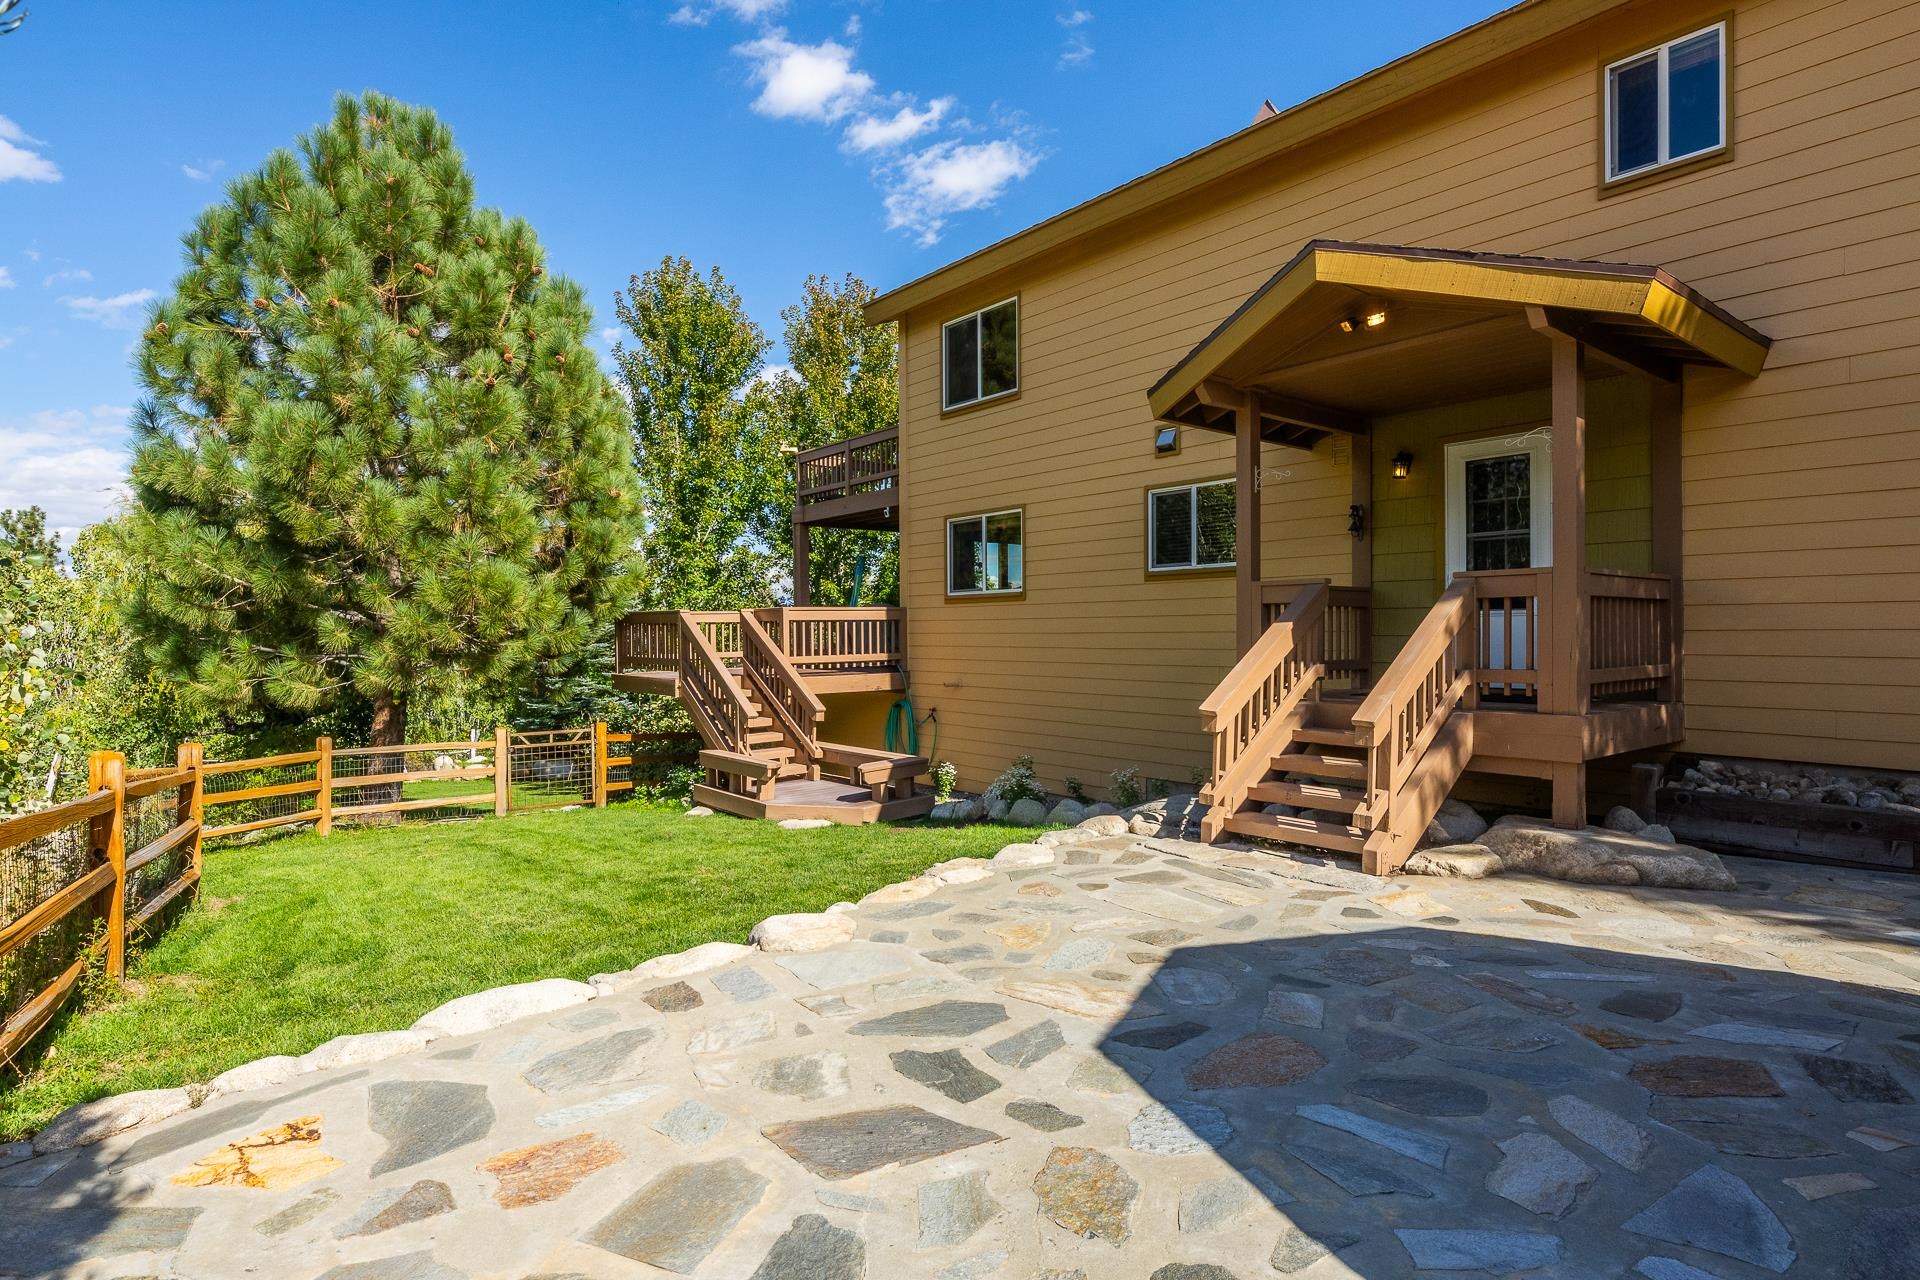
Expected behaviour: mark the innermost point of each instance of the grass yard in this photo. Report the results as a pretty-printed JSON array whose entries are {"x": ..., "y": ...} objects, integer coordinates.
[{"x": 298, "y": 940}]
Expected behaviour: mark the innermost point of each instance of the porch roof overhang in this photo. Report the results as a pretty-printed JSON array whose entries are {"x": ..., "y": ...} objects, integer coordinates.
[{"x": 1459, "y": 326}]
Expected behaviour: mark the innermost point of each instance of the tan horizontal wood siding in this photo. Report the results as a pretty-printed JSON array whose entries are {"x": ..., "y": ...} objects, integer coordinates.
[{"x": 1799, "y": 486}]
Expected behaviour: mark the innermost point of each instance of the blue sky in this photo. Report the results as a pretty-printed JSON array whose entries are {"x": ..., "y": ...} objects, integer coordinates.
[{"x": 770, "y": 137}]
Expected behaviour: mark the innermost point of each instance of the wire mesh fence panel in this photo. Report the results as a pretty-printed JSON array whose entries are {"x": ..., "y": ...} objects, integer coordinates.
[
  {"x": 550, "y": 767},
  {"x": 30, "y": 875},
  {"x": 149, "y": 820},
  {"x": 250, "y": 795},
  {"x": 433, "y": 780}
]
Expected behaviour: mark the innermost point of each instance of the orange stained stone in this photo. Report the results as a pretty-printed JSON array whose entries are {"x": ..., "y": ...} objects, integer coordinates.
[
  {"x": 271, "y": 1160},
  {"x": 537, "y": 1174}
]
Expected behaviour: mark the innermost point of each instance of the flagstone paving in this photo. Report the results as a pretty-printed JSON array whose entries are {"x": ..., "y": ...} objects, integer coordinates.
[{"x": 1147, "y": 1060}]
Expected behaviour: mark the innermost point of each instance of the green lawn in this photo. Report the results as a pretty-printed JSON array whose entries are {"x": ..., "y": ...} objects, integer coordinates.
[{"x": 300, "y": 939}]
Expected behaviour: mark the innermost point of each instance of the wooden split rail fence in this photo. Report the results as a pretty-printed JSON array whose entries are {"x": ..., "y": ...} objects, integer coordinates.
[{"x": 79, "y": 879}]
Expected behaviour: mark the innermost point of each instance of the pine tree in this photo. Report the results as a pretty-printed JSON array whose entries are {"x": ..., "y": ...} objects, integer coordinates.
[
  {"x": 843, "y": 383},
  {"x": 374, "y": 451},
  {"x": 709, "y": 459}
]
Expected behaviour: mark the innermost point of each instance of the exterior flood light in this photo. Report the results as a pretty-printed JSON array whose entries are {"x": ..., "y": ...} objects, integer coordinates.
[{"x": 1402, "y": 465}]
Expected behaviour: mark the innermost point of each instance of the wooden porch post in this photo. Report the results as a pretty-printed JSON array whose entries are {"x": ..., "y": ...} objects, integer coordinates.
[
  {"x": 1567, "y": 637},
  {"x": 1669, "y": 547},
  {"x": 802, "y": 564},
  {"x": 1362, "y": 573},
  {"x": 1246, "y": 523}
]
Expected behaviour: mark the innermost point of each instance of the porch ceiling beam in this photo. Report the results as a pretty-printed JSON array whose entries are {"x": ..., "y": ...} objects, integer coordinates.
[
  {"x": 1216, "y": 393},
  {"x": 1305, "y": 413},
  {"x": 1397, "y": 347},
  {"x": 1550, "y": 321}
]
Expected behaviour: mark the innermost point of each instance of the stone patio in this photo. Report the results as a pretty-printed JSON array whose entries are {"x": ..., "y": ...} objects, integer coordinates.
[{"x": 1127, "y": 1059}]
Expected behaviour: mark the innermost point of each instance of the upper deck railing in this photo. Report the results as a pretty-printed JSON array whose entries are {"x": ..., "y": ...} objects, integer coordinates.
[{"x": 848, "y": 476}]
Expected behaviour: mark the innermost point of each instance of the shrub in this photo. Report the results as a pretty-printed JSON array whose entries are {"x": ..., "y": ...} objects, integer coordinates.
[
  {"x": 1017, "y": 783},
  {"x": 945, "y": 774},
  {"x": 1078, "y": 791},
  {"x": 1123, "y": 788}
]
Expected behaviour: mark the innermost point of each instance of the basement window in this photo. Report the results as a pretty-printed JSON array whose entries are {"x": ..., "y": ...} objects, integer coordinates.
[
  {"x": 1667, "y": 104},
  {"x": 980, "y": 355},
  {"x": 986, "y": 554},
  {"x": 1191, "y": 527}
]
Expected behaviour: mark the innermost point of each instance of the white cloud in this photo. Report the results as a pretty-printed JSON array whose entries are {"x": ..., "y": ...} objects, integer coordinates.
[
  {"x": 117, "y": 312},
  {"x": 6, "y": 279},
  {"x": 952, "y": 177},
  {"x": 71, "y": 463},
  {"x": 882, "y": 133},
  {"x": 65, "y": 274},
  {"x": 19, "y": 160},
  {"x": 204, "y": 171},
  {"x": 610, "y": 336},
  {"x": 698, "y": 15},
  {"x": 804, "y": 81},
  {"x": 1078, "y": 48}
]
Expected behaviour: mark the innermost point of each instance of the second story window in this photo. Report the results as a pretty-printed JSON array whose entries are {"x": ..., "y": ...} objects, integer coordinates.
[
  {"x": 1667, "y": 104},
  {"x": 980, "y": 355},
  {"x": 1191, "y": 527}
]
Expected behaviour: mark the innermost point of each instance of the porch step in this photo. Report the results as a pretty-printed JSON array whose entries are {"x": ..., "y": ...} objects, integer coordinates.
[
  {"x": 1331, "y": 711},
  {"x": 764, "y": 737},
  {"x": 782, "y": 754},
  {"x": 1307, "y": 795},
  {"x": 794, "y": 769},
  {"x": 1333, "y": 837},
  {"x": 1327, "y": 737},
  {"x": 1345, "y": 768}
]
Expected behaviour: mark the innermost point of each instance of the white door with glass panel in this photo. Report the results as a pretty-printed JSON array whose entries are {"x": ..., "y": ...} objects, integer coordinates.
[{"x": 1499, "y": 496}]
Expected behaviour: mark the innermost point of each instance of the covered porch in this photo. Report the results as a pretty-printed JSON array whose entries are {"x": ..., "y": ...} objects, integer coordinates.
[{"x": 1537, "y": 640}]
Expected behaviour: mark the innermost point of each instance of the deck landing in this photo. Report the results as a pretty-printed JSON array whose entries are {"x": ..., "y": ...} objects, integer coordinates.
[{"x": 833, "y": 799}]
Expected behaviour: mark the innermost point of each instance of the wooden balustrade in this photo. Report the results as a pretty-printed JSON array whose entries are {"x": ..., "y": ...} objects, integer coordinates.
[
  {"x": 861, "y": 638},
  {"x": 781, "y": 688},
  {"x": 647, "y": 641},
  {"x": 1245, "y": 717},
  {"x": 1411, "y": 704},
  {"x": 1349, "y": 626},
  {"x": 710, "y": 694},
  {"x": 848, "y": 468},
  {"x": 1630, "y": 636},
  {"x": 1508, "y": 633}
]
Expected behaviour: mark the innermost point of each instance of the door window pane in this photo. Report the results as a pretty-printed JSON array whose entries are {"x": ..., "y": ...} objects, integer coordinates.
[
  {"x": 963, "y": 361},
  {"x": 1693, "y": 95},
  {"x": 999, "y": 349},
  {"x": 1172, "y": 528},
  {"x": 1636, "y": 115},
  {"x": 1216, "y": 523},
  {"x": 1499, "y": 512}
]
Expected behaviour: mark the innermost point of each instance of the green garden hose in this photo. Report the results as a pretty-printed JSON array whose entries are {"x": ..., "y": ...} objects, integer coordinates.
[{"x": 903, "y": 731}]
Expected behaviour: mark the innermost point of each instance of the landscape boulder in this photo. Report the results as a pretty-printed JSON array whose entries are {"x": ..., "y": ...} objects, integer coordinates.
[
  {"x": 1067, "y": 813},
  {"x": 1174, "y": 818},
  {"x": 358, "y": 1050},
  {"x": 103, "y": 1117},
  {"x": 1593, "y": 855},
  {"x": 1099, "y": 825},
  {"x": 261, "y": 1073},
  {"x": 485, "y": 1010},
  {"x": 1458, "y": 823},
  {"x": 1024, "y": 855},
  {"x": 1026, "y": 813},
  {"x": 1459, "y": 861},
  {"x": 803, "y": 931},
  {"x": 1621, "y": 818}
]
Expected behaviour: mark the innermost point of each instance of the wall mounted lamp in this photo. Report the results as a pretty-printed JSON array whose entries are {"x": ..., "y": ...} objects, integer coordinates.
[
  {"x": 1371, "y": 318},
  {"x": 1357, "y": 521},
  {"x": 1402, "y": 465}
]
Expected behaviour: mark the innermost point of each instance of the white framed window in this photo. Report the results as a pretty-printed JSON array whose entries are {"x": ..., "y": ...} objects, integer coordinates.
[
  {"x": 1190, "y": 526},
  {"x": 986, "y": 554},
  {"x": 1500, "y": 503},
  {"x": 980, "y": 355},
  {"x": 1667, "y": 104}
]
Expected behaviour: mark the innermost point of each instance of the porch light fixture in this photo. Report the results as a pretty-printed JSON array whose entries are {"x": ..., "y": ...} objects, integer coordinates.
[
  {"x": 1372, "y": 318},
  {"x": 1357, "y": 521},
  {"x": 1402, "y": 465}
]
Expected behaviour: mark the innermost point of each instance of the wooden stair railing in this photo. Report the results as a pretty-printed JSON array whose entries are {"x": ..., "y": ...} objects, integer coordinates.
[
  {"x": 782, "y": 690},
  {"x": 718, "y": 705},
  {"x": 1251, "y": 715},
  {"x": 1414, "y": 748}
]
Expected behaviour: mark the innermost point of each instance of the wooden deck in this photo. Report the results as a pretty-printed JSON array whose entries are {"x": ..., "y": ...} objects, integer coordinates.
[{"x": 835, "y": 800}]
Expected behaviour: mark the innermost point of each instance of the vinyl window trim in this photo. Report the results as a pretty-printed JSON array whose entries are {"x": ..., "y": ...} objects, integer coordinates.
[
  {"x": 1660, "y": 54},
  {"x": 981, "y": 517},
  {"x": 980, "y": 355},
  {"x": 1193, "y": 529}
]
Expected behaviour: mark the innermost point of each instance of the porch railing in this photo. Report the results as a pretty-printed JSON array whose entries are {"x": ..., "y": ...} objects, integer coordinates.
[
  {"x": 1245, "y": 717},
  {"x": 1507, "y": 632},
  {"x": 1349, "y": 624},
  {"x": 1630, "y": 651},
  {"x": 814, "y": 640},
  {"x": 848, "y": 468}
]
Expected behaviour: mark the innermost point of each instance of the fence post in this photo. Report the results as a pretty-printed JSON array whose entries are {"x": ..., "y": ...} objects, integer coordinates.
[
  {"x": 198, "y": 811},
  {"x": 323, "y": 792},
  {"x": 502, "y": 769},
  {"x": 107, "y": 771},
  {"x": 186, "y": 811},
  {"x": 599, "y": 764}
]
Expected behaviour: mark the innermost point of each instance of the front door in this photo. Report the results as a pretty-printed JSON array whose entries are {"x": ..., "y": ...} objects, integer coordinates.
[{"x": 1499, "y": 495}]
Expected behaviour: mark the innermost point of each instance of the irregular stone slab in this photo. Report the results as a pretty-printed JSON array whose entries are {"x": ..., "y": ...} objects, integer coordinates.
[
  {"x": 537, "y": 1174},
  {"x": 580, "y": 1113},
  {"x": 1295, "y": 1008},
  {"x": 272, "y": 1160},
  {"x": 396, "y": 1207},
  {"x": 1103, "y": 1075},
  {"x": 1497, "y": 1252},
  {"x": 1024, "y": 1048},
  {"x": 1423, "y": 1095},
  {"x": 977, "y": 1267},
  {"x": 261, "y": 1073},
  {"x": 1614, "y": 1038},
  {"x": 1457, "y": 861},
  {"x": 926, "y": 984},
  {"x": 1023, "y": 855},
  {"x": 582, "y": 1020},
  {"x": 1876, "y": 1138},
  {"x": 421, "y": 1119},
  {"x": 299, "y": 1213},
  {"x": 1043, "y": 1116},
  {"x": 1355, "y": 1174},
  {"x": 814, "y": 1249},
  {"x": 952, "y": 1209},
  {"x": 1256, "y": 1061},
  {"x": 1886, "y": 1243},
  {"x": 1595, "y": 856},
  {"x": 1436, "y": 995},
  {"x": 1161, "y": 904},
  {"x": 811, "y": 1076},
  {"x": 1644, "y": 1006},
  {"x": 1296, "y": 1250},
  {"x": 1618, "y": 1139},
  {"x": 89, "y": 1122},
  {"x": 675, "y": 997},
  {"x": 1495, "y": 1031},
  {"x": 732, "y": 1033},
  {"x": 1079, "y": 954},
  {"x": 211, "y": 1122},
  {"x": 960, "y": 955},
  {"x": 684, "y": 964},
  {"x": 1081, "y": 999},
  {"x": 1374, "y": 1045},
  {"x": 842, "y": 1146},
  {"x": 598, "y": 1061},
  {"x": 1702, "y": 1077},
  {"x": 1085, "y": 1192},
  {"x": 680, "y": 1217},
  {"x": 1855, "y": 1081},
  {"x": 1186, "y": 985},
  {"x": 828, "y": 1006},
  {"x": 905, "y": 891},
  {"x": 1025, "y": 936},
  {"x": 1362, "y": 967},
  {"x": 690, "y": 1123},
  {"x": 1747, "y": 1033},
  {"x": 1425, "y": 1148},
  {"x": 744, "y": 985},
  {"x": 948, "y": 1018},
  {"x": 485, "y": 1010},
  {"x": 1523, "y": 997},
  {"x": 1210, "y": 1204},
  {"x": 1192, "y": 1271},
  {"x": 1160, "y": 1039},
  {"x": 803, "y": 931},
  {"x": 1178, "y": 1128},
  {"x": 848, "y": 1200},
  {"x": 1657, "y": 1268},
  {"x": 947, "y": 1072},
  {"x": 1758, "y": 1138},
  {"x": 1540, "y": 1175},
  {"x": 1818, "y": 1186},
  {"x": 1712, "y": 1209},
  {"x": 844, "y": 966},
  {"x": 418, "y": 1265}
]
